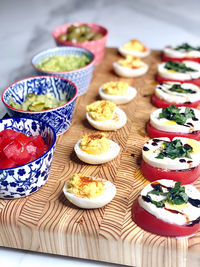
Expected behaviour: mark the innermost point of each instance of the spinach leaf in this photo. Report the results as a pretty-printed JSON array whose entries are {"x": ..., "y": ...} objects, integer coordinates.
[
  {"x": 178, "y": 66},
  {"x": 187, "y": 47},
  {"x": 173, "y": 113},
  {"x": 177, "y": 88}
]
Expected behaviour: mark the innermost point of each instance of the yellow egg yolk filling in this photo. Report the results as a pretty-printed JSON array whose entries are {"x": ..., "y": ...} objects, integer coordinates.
[
  {"x": 115, "y": 88},
  {"x": 134, "y": 45},
  {"x": 95, "y": 144},
  {"x": 101, "y": 110},
  {"x": 85, "y": 186},
  {"x": 131, "y": 62}
]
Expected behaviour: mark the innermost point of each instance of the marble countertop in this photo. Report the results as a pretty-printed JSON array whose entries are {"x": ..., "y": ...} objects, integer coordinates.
[{"x": 26, "y": 28}]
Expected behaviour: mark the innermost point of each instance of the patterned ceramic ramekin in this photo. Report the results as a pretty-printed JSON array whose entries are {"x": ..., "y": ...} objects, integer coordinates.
[
  {"x": 80, "y": 77},
  {"x": 97, "y": 47},
  {"x": 60, "y": 117},
  {"x": 26, "y": 179}
]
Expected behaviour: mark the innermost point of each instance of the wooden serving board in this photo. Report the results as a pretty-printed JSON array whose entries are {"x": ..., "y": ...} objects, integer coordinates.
[{"x": 47, "y": 222}]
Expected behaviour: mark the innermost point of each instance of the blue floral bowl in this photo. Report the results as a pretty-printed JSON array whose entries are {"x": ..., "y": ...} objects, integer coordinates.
[
  {"x": 80, "y": 77},
  {"x": 26, "y": 179},
  {"x": 60, "y": 117}
]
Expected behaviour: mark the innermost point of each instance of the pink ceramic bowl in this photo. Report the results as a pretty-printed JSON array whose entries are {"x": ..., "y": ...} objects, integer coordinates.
[{"x": 97, "y": 47}]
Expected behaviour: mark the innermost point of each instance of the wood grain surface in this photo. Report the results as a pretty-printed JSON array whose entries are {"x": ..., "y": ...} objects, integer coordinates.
[{"x": 47, "y": 222}]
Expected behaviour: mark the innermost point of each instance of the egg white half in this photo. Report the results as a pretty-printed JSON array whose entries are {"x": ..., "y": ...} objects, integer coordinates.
[
  {"x": 109, "y": 125},
  {"x": 119, "y": 99},
  {"x": 174, "y": 75},
  {"x": 112, "y": 153},
  {"x": 134, "y": 53},
  {"x": 129, "y": 72},
  {"x": 92, "y": 203}
]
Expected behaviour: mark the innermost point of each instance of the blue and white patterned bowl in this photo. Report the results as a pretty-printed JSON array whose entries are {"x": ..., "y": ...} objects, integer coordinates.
[
  {"x": 60, "y": 117},
  {"x": 26, "y": 179},
  {"x": 80, "y": 77}
]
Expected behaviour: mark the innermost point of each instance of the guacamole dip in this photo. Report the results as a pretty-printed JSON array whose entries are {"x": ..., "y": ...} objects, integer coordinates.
[{"x": 58, "y": 63}]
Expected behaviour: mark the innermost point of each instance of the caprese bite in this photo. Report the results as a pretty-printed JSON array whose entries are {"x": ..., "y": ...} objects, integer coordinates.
[
  {"x": 134, "y": 48},
  {"x": 177, "y": 160},
  {"x": 166, "y": 208},
  {"x": 173, "y": 121},
  {"x": 130, "y": 67},
  {"x": 186, "y": 71},
  {"x": 179, "y": 94},
  {"x": 182, "y": 52},
  {"x": 105, "y": 115},
  {"x": 117, "y": 92}
]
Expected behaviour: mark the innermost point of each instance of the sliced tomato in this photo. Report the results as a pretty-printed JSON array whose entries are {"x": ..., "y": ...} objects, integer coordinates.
[
  {"x": 165, "y": 58},
  {"x": 162, "y": 80},
  {"x": 22, "y": 139},
  {"x": 7, "y": 163},
  {"x": 160, "y": 103},
  {"x": 187, "y": 176},
  {"x": 153, "y": 133},
  {"x": 150, "y": 223},
  {"x": 39, "y": 143},
  {"x": 9, "y": 133}
]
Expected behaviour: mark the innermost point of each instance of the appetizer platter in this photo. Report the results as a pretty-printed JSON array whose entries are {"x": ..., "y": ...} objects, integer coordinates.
[{"x": 52, "y": 221}]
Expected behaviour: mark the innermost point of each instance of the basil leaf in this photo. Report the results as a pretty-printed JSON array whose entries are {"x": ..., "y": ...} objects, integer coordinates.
[
  {"x": 177, "y": 88},
  {"x": 174, "y": 113},
  {"x": 186, "y": 47},
  {"x": 178, "y": 66},
  {"x": 175, "y": 149}
]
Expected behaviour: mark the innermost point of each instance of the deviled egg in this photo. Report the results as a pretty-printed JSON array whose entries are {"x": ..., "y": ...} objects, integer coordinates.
[
  {"x": 96, "y": 149},
  {"x": 105, "y": 115},
  {"x": 89, "y": 192},
  {"x": 117, "y": 92},
  {"x": 134, "y": 48},
  {"x": 130, "y": 67}
]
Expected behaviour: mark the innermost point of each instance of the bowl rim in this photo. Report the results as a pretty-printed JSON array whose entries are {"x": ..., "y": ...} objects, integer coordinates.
[
  {"x": 41, "y": 111},
  {"x": 63, "y": 48},
  {"x": 79, "y": 23},
  {"x": 53, "y": 143}
]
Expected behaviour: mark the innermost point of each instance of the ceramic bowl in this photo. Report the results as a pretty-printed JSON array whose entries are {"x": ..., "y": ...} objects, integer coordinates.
[
  {"x": 26, "y": 179},
  {"x": 97, "y": 47},
  {"x": 80, "y": 77},
  {"x": 60, "y": 117}
]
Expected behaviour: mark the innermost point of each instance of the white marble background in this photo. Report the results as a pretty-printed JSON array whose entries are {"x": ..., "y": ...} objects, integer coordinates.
[{"x": 26, "y": 27}]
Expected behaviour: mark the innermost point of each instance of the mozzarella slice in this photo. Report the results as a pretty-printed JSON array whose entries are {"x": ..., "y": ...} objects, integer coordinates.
[
  {"x": 153, "y": 147},
  {"x": 129, "y": 72},
  {"x": 174, "y": 75},
  {"x": 92, "y": 203},
  {"x": 114, "y": 149},
  {"x": 118, "y": 121},
  {"x": 171, "y": 52},
  {"x": 191, "y": 125},
  {"x": 134, "y": 53},
  {"x": 184, "y": 213},
  {"x": 162, "y": 91},
  {"x": 119, "y": 99}
]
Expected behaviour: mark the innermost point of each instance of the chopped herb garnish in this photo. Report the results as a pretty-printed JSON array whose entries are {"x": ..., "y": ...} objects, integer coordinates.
[
  {"x": 175, "y": 149},
  {"x": 173, "y": 113},
  {"x": 178, "y": 66},
  {"x": 186, "y": 47},
  {"x": 177, "y": 88},
  {"x": 175, "y": 196}
]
